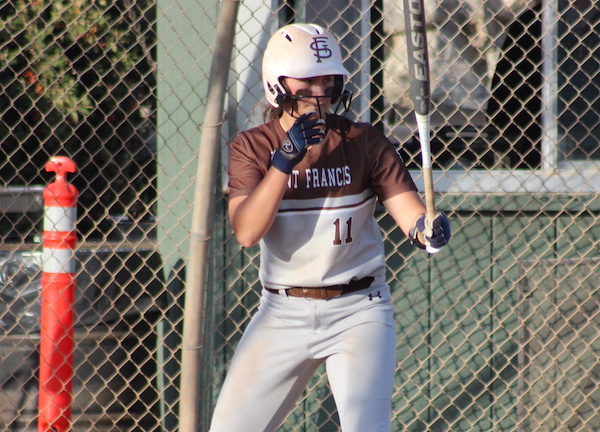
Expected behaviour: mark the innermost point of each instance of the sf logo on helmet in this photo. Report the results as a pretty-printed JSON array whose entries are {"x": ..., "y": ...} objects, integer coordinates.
[{"x": 320, "y": 47}]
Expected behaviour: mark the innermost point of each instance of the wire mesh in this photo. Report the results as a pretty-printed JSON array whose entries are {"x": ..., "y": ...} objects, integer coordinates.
[{"x": 497, "y": 332}]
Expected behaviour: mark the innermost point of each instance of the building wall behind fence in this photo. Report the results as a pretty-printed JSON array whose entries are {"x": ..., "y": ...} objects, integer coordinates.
[{"x": 497, "y": 332}]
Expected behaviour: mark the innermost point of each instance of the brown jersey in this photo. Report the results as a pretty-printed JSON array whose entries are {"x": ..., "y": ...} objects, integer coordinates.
[{"x": 325, "y": 232}]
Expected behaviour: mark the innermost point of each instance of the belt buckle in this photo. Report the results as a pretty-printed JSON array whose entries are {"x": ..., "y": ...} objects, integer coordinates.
[
  {"x": 321, "y": 293},
  {"x": 312, "y": 293},
  {"x": 316, "y": 293}
]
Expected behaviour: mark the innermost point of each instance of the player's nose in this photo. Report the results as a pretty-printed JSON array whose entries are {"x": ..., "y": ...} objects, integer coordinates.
[{"x": 319, "y": 87}]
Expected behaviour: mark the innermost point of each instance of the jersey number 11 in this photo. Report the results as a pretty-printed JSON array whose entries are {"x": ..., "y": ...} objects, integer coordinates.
[{"x": 337, "y": 240}]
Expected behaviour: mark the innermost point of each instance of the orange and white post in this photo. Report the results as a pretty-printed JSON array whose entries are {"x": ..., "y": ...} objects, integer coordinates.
[{"x": 58, "y": 297}]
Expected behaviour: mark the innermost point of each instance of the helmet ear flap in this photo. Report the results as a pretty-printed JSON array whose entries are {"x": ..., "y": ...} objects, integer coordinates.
[
  {"x": 283, "y": 92},
  {"x": 281, "y": 98},
  {"x": 277, "y": 91}
]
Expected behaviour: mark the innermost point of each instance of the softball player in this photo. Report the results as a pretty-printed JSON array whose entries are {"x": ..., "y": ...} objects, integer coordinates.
[{"x": 305, "y": 185}]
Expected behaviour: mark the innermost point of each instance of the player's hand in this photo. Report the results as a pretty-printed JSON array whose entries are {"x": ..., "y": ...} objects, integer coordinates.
[
  {"x": 440, "y": 233},
  {"x": 303, "y": 133}
]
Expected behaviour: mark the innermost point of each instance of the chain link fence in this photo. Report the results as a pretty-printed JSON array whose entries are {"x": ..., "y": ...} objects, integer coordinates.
[{"x": 500, "y": 331}]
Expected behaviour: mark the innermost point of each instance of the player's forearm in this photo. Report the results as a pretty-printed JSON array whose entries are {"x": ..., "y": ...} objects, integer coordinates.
[
  {"x": 405, "y": 209},
  {"x": 252, "y": 216}
]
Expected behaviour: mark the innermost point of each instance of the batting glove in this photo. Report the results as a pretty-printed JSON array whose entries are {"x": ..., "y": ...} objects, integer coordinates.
[
  {"x": 441, "y": 235},
  {"x": 302, "y": 134}
]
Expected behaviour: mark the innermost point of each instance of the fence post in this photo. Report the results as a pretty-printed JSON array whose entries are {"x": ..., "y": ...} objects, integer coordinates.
[{"x": 58, "y": 295}]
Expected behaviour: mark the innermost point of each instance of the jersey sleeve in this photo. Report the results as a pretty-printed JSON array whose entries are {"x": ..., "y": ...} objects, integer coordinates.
[
  {"x": 250, "y": 157},
  {"x": 389, "y": 176},
  {"x": 246, "y": 170}
]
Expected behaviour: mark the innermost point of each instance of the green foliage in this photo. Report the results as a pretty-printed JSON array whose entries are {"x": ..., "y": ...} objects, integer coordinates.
[
  {"x": 77, "y": 78},
  {"x": 50, "y": 46}
]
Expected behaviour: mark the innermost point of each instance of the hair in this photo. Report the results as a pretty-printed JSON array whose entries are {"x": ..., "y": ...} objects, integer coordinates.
[{"x": 272, "y": 113}]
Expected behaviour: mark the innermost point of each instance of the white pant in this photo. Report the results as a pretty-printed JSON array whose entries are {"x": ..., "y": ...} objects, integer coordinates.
[{"x": 289, "y": 338}]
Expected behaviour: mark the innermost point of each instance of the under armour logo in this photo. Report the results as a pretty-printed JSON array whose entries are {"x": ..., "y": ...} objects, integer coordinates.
[
  {"x": 372, "y": 296},
  {"x": 321, "y": 48}
]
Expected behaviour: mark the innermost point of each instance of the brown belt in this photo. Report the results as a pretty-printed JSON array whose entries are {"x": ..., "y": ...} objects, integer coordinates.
[{"x": 327, "y": 292}]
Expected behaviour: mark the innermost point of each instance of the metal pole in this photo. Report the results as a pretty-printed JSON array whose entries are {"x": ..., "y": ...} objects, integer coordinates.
[{"x": 202, "y": 215}]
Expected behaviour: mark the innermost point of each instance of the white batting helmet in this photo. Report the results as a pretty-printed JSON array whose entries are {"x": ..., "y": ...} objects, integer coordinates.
[{"x": 300, "y": 51}]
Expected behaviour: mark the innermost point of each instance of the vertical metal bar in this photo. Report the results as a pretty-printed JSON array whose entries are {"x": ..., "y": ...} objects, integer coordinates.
[
  {"x": 202, "y": 215},
  {"x": 550, "y": 87}
]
